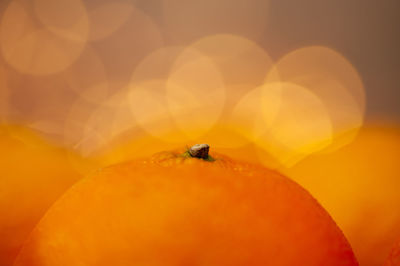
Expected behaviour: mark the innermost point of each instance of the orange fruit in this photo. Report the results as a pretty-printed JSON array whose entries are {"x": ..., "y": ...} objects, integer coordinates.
[
  {"x": 174, "y": 209},
  {"x": 394, "y": 256},
  {"x": 359, "y": 186},
  {"x": 33, "y": 174}
]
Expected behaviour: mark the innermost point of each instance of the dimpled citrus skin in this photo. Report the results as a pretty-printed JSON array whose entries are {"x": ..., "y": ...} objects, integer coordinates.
[
  {"x": 33, "y": 174},
  {"x": 394, "y": 256},
  {"x": 174, "y": 211}
]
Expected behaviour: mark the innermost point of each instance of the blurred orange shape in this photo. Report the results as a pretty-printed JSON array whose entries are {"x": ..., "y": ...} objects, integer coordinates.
[
  {"x": 33, "y": 174},
  {"x": 359, "y": 186}
]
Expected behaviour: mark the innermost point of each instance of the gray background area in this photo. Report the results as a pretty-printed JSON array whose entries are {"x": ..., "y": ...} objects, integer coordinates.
[{"x": 365, "y": 31}]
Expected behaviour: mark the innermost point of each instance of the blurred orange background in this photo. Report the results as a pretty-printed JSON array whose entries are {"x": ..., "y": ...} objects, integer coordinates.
[{"x": 307, "y": 87}]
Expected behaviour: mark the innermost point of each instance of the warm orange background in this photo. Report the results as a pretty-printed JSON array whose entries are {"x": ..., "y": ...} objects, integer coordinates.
[{"x": 308, "y": 87}]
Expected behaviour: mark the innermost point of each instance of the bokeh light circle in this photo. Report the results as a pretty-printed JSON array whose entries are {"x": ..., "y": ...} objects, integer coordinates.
[
  {"x": 195, "y": 93},
  {"x": 301, "y": 126},
  {"x": 66, "y": 18},
  {"x": 240, "y": 60},
  {"x": 137, "y": 37},
  {"x": 147, "y": 91},
  {"x": 254, "y": 114},
  {"x": 333, "y": 79},
  {"x": 149, "y": 107},
  {"x": 32, "y": 48},
  {"x": 157, "y": 64}
]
